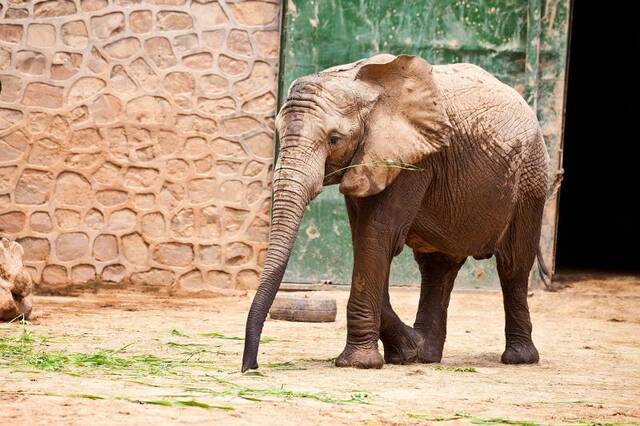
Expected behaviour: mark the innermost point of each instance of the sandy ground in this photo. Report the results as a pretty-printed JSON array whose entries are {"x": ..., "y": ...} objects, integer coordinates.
[{"x": 588, "y": 337}]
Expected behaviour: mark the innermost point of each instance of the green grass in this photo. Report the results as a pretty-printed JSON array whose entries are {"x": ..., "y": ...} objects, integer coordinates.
[
  {"x": 159, "y": 402},
  {"x": 440, "y": 367},
  {"x": 216, "y": 335},
  {"x": 181, "y": 403},
  {"x": 176, "y": 332},
  {"x": 575, "y": 421},
  {"x": 186, "y": 345},
  {"x": 286, "y": 365},
  {"x": 29, "y": 350},
  {"x": 291, "y": 365},
  {"x": 472, "y": 419},
  {"x": 254, "y": 394}
]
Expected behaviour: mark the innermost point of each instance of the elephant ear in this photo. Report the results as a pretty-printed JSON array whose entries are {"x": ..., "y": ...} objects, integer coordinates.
[{"x": 407, "y": 123}]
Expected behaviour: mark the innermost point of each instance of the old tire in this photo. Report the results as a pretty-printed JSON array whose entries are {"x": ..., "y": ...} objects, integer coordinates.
[{"x": 303, "y": 309}]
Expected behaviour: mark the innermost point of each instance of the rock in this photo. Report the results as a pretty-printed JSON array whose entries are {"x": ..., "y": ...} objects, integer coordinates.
[
  {"x": 213, "y": 84},
  {"x": 238, "y": 254},
  {"x": 124, "y": 219},
  {"x": 97, "y": 63},
  {"x": 261, "y": 145},
  {"x": 93, "y": 5},
  {"x": 238, "y": 42},
  {"x": 145, "y": 201},
  {"x": 136, "y": 140},
  {"x": 105, "y": 247},
  {"x": 160, "y": 52},
  {"x": 10, "y": 87},
  {"x": 153, "y": 225},
  {"x": 201, "y": 190},
  {"x": 65, "y": 65},
  {"x": 198, "y": 61},
  {"x": 267, "y": 42},
  {"x": 54, "y": 8},
  {"x": 111, "y": 197},
  {"x": 260, "y": 78},
  {"x": 142, "y": 72},
  {"x": 247, "y": 279},
  {"x": 113, "y": 273},
  {"x": 153, "y": 277},
  {"x": 31, "y": 62},
  {"x": 42, "y": 95},
  {"x": 15, "y": 282},
  {"x": 67, "y": 219},
  {"x": 35, "y": 249},
  {"x": 11, "y": 33},
  {"x": 194, "y": 284},
  {"x": 179, "y": 83},
  {"x": 253, "y": 13},
  {"x": 74, "y": 34},
  {"x": 34, "y": 187},
  {"x": 173, "y": 21},
  {"x": 231, "y": 66},
  {"x": 210, "y": 254},
  {"x": 73, "y": 189},
  {"x": 185, "y": 43},
  {"x": 85, "y": 88},
  {"x": 140, "y": 21},
  {"x": 264, "y": 104},
  {"x": 135, "y": 249},
  {"x": 231, "y": 191},
  {"x": 208, "y": 14},
  {"x": 173, "y": 254},
  {"x": 239, "y": 125},
  {"x": 217, "y": 107},
  {"x": 41, "y": 222},
  {"x": 71, "y": 246},
  {"x": 108, "y": 25},
  {"x": 81, "y": 274},
  {"x": 120, "y": 80},
  {"x": 55, "y": 276},
  {"x": 12, "y": 222},
  {"x": 123, "y": 48}
]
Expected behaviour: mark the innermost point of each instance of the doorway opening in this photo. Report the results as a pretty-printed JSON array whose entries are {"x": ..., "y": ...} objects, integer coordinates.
[{"x": 599, "y": 215}]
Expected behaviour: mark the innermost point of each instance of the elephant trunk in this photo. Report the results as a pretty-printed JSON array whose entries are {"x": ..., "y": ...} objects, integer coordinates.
[{"x": 297, "y": 180}]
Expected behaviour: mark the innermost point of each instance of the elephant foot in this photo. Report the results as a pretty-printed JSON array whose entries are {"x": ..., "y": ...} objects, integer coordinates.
[
  {"x": 402, "y": 346},
  {"x": 520, "y": 353},
  {"x": 411, "y": 346},
  {"x": 360, "y": 358}
]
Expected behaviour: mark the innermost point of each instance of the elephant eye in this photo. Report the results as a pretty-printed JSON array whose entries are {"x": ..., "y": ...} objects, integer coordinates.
[{"x": 334, "y": 139}]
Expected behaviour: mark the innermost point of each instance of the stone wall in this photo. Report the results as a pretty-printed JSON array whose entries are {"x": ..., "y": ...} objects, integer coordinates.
[{"x": 136, "y": 139}]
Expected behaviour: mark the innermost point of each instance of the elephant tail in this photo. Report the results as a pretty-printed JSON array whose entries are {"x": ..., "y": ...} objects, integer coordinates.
[{"x": 543, "y": 271}]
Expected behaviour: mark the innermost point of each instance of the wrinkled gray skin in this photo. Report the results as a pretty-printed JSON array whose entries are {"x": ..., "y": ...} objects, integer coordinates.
[{"x": 479, "y": 190}]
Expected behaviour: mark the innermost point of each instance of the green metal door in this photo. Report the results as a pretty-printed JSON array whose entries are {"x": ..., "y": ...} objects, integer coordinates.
[{"x": 522, "y": 42}]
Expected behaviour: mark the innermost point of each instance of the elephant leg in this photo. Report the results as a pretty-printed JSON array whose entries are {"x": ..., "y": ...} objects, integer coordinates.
[
  {"x": 400, "y": 341},
  {"x": 379, "y": 227},
  {"x": 371, "y": 266},
  {"x": 514, "y": 259},
  {"x": 438, "y": 272}
]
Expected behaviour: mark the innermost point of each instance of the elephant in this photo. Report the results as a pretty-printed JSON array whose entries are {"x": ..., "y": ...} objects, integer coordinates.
[{"x": 445, "y": 159}]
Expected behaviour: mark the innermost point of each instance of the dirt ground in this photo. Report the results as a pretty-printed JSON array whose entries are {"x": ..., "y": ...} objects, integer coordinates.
[{"x": 111, "y": 358}]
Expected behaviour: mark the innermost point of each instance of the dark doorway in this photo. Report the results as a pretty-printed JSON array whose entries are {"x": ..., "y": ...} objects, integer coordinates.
[{"x": 599, "y": 223}]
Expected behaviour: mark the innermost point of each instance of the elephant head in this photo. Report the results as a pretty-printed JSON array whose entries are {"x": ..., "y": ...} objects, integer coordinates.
[{"x": 358, "y": 125}]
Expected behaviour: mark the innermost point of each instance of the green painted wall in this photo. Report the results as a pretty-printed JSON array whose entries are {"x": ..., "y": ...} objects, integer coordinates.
[{"x": 523, "y": 43}]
